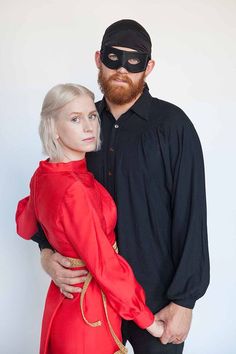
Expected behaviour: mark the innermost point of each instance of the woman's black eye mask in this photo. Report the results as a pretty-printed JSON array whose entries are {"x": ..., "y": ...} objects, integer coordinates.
[{"x": 114, "y": 58}]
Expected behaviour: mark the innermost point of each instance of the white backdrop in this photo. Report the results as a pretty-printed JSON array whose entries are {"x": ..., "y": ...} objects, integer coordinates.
[{"x": 53, "y": 41}]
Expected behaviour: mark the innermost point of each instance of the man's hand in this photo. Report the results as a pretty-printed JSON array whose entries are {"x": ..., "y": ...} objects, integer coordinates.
[
  {"x": 177, "y": 320},
  {"x": 55, "y": 265}
]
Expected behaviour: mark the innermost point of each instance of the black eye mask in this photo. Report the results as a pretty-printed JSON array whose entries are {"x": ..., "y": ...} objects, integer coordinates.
[{"x": 114, "y": 58}]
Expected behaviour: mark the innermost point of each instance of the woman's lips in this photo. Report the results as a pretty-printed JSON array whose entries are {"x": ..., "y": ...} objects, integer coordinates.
[{"x": 89, "y": 139}]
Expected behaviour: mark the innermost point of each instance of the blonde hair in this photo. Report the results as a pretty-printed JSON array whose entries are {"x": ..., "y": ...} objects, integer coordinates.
[{"x": 56, "y": 99}]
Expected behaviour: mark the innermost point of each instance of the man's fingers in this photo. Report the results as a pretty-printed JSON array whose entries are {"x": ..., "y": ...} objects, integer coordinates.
[
  {"x": 67, "y": 295},
  {"x": 54, "y": 264},
  {"x": 172, "y": 339},
  {"x": 165, "y": 338},
  {"x": 63, "y": 261},
  {"x": 68, "y": 273},
  {"x": 73, "y": 281},
  {"x": 70, "y": 289},
  {"x": 177, "y": 341},
  {"x": 160, "y": 316},
  {"x": 168, "y": 336}
]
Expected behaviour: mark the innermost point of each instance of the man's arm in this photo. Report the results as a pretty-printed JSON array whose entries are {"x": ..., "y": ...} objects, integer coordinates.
[
  {"x": 189, "y": 232},
  {"x": 55, "y": 265},
  {"x": 189, "y": 244},
  {"x": 41, "y": 239}
]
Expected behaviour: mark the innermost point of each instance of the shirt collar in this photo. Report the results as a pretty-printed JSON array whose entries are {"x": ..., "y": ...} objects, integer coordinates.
[
  {"x": 71, "y": 166},
  {"x": 140, "y": 107}
]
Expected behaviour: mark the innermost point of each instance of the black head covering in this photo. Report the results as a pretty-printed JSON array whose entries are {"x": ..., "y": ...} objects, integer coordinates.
[{"x": 128, "y": 33}]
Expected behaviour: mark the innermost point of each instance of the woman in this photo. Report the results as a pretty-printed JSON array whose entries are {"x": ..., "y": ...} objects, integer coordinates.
[{"x": 78, "y": 216}]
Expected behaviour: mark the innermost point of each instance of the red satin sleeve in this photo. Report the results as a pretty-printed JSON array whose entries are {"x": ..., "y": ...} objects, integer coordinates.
[
  {"x": 26, "y": 222},
  {"x": 83, "y": 230}
]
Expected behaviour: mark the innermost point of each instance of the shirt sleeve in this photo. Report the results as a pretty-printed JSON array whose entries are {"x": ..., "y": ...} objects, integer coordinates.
[
  {"x": 189, "y": 244},
  {"x": 84, "y": 231},
  {"x": 41, "y": 239}
]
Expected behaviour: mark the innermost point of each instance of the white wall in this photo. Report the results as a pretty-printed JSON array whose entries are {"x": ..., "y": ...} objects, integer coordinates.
[{"x": 46, "y": 42}]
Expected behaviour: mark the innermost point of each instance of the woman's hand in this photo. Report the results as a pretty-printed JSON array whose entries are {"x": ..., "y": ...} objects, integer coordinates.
[
  {"x": 156, "y": 329},
  {"x": 55, "y": 265}
]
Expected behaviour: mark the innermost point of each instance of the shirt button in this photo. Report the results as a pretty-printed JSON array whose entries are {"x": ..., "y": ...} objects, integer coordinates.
[
  {"x": 109, "y": 173},
  {"x": 116, "y": 126}
]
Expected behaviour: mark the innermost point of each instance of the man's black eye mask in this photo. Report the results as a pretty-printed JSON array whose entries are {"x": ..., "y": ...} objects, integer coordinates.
[{"x": 121, "y": 58}]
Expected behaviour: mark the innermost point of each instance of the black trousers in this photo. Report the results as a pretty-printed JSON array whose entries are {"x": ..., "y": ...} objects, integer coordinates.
[{"x": 144, "y": 343}]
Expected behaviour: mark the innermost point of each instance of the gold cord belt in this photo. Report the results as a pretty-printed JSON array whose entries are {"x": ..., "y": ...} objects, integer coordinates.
[{"x": 76, "y": 262}]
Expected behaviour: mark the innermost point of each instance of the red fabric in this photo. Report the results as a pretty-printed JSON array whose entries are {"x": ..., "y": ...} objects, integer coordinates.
[{"x": 78, "y": 216}]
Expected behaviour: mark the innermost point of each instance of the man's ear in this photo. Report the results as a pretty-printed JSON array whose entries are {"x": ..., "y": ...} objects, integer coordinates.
[
  {"x": 149, "y": 68},
  {"x": 98, "y": 59}
]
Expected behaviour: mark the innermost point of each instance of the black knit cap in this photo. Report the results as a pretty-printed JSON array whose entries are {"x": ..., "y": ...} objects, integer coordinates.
[{"x": 128, "y": 33}]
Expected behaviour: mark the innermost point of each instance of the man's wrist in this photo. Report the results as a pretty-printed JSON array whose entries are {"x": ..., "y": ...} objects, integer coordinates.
[{"x": 45, "y": 252}]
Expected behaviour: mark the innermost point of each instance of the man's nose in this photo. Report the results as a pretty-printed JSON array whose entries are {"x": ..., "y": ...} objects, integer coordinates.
[{"x": 122, "y": 70}]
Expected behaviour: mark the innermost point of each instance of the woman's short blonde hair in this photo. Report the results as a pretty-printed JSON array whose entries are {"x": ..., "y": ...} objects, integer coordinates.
[{"x": 53, "y": 102}]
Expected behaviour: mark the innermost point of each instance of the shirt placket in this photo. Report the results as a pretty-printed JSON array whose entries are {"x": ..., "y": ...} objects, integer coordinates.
[{"x": 111, "y": 156}]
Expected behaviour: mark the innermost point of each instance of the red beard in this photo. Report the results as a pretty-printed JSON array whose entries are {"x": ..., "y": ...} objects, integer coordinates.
[{"x": 120, "y": 94}]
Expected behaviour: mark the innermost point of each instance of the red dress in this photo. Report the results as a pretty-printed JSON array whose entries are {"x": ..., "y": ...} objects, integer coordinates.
[{"x": 78, "y": 217}]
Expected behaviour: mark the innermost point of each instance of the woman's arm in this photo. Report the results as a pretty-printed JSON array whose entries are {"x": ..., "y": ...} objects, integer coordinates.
[
  {"x": 52, "y": 262},
  {"x": 83, "y": 229}
]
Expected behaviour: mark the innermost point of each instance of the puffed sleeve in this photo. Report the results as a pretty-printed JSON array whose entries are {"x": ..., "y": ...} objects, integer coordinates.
[
  {"x": 113, "y": 274},
  {"x": 26, "y": 222},
  {"x": 189, "y": 227}
]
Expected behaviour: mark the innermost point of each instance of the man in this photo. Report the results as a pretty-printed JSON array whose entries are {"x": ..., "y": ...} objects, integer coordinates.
[{"x": 151, "y": 163}]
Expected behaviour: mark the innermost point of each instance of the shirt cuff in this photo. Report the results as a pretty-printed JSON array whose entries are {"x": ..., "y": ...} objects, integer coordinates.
[
  {"x": 145, "y": 318},
  {"x": 189, "y": 303}
]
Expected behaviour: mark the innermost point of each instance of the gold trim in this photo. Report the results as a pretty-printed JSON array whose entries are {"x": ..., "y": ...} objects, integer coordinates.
[
  {"x": 85, "y": 287},
  {"x": 120, "y": 345},
  {"x": 76, "y": 262}
]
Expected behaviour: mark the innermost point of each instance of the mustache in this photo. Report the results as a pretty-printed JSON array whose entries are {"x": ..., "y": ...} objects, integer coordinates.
[{"x": 122, "y": 77}]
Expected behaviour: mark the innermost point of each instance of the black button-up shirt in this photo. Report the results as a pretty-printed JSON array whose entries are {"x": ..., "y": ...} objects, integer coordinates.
[{"x": 151, "y": 162}]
